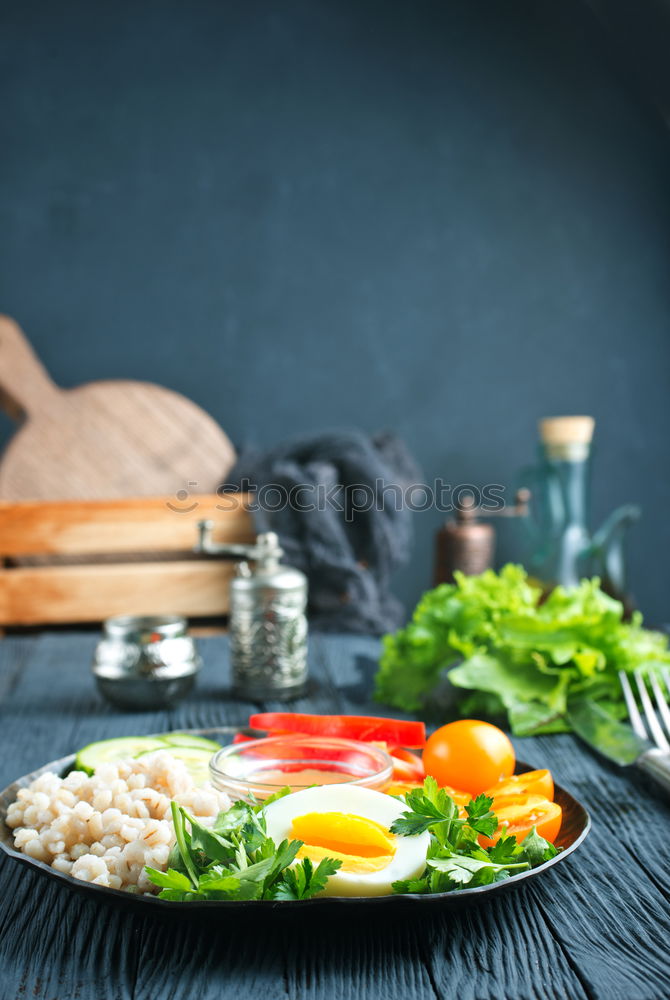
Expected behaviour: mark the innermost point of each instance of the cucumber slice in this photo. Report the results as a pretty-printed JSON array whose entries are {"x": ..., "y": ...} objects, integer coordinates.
[
  {"x": 196, "y": 759},
  {"x": 91, "y": 756},
  {"x": 189, "y": 740}
]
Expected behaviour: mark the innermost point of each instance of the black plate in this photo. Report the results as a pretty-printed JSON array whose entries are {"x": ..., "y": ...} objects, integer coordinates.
[{"x": 575, "y": 827}]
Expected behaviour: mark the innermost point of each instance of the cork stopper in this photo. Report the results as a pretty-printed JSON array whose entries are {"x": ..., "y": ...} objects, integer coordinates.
[
  {"x": 566, "y": 430},
  {"x": 567, "y": 436}
]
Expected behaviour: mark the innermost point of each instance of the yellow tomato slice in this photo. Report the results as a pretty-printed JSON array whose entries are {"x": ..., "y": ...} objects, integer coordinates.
[
  {"x": 403, "y": 787},
  {"x": 518, "y": 814},
  {"x": 528, "y": 783}
]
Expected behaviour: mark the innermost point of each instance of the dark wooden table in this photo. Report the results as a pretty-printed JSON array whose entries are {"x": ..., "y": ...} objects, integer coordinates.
[{"x": 596, "y": 926}]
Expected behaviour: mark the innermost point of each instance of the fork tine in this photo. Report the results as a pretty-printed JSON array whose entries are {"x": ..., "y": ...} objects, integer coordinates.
[
  {"x": 633, "y": 713},
  {"x": 661, "y": 701},
  {"x": 657, "y": 733}
]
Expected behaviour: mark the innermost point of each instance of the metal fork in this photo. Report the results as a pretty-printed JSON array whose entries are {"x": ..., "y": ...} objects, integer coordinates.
[{"x": 656, "y": 761}]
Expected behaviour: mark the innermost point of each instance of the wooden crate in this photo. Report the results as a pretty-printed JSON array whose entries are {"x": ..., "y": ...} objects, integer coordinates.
[{"x": 82, "y": 561}]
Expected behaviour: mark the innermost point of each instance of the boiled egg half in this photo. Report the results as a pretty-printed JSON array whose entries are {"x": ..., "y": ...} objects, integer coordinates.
[{"x": 351, "y": 824}]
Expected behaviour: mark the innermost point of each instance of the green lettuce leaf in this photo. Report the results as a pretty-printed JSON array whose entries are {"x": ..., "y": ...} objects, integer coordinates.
[{"x": 502, "y": 648}]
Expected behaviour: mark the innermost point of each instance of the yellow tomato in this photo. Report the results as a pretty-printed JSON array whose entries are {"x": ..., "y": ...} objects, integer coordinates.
[{"x": 469, "y": 754}]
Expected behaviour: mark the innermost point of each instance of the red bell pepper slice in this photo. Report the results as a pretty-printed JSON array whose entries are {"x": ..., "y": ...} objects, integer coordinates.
[
  {"x": 407, "y": 766},
  {"x": 367, "y": 728}
]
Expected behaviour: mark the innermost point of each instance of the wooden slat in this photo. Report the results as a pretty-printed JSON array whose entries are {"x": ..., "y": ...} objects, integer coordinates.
[
  {"x": 593, "y": 928},
  {"x": 98, "y": 527},
  {"x": 89, "y": 593}
]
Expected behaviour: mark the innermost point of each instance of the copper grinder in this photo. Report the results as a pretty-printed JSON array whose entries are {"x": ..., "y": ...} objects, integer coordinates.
[{"x": 467, "y": 543}]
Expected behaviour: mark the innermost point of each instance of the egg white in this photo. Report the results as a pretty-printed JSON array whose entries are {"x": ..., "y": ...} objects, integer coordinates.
[{"x": 409, "y": 860}]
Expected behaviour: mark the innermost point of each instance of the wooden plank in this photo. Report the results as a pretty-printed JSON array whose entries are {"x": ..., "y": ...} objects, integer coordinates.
[
  {"x": 595, "y": 927},
  {"x": 57, "y": 594},
  {"x": 145, "y": 524}
]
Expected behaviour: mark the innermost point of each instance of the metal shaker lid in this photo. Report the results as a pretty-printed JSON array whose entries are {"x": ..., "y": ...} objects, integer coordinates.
[
  {"x": 284, "y": 578},
  {"x": 267, "y": 571}
]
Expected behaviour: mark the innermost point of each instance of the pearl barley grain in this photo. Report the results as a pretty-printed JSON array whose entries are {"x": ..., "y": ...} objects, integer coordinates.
[{"x": 105, "y": 828}]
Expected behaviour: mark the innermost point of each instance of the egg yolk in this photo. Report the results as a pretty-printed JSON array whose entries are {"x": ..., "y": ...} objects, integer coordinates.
[{"x": 359, "y": 843}]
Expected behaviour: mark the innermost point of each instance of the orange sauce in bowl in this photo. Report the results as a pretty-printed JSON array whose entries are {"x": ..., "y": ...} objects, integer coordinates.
[{"x": 304, "y": 778}]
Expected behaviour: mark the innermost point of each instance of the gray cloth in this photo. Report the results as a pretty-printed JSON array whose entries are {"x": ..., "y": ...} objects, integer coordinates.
[{"x": 350, "y": 554}]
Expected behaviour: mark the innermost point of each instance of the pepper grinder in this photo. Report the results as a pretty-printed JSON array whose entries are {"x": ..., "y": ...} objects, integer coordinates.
[
  {"x": 268, "y": 624},
  {"x": 467, "y": 544}
]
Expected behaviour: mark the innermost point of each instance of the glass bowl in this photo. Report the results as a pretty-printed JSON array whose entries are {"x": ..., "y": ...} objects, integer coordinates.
[{"x": 258, "y": 768}]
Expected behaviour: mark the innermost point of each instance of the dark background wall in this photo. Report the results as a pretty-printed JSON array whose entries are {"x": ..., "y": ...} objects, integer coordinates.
[{"x": 444, "y": 218}]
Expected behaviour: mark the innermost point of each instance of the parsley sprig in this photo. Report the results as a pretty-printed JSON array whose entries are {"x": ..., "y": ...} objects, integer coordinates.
[
  {"x": 455, "y": 859},
  {"x": 305, "y": 880},
  {"x": 235, "y": 859}
]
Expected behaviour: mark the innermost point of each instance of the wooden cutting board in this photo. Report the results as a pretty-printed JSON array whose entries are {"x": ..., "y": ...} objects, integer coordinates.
[{"x": 101, "y": 440}]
